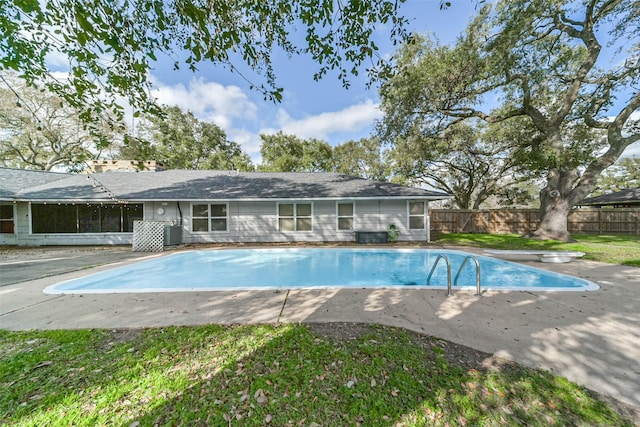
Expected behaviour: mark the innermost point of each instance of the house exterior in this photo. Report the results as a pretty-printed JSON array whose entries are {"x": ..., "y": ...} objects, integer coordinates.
[
  {"x": 45, "y": 208},
  {"x": 629, "y": 198}
]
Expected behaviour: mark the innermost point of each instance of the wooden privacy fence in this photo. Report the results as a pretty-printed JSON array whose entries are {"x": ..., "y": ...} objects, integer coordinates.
[{"x": 522, "y": 221}]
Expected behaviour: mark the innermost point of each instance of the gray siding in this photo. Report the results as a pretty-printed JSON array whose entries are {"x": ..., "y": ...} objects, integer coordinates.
[
  {"x": 377, "y": 215},
  {"x": 258, "y": 222},
  {"x": 248, "y": 222}
]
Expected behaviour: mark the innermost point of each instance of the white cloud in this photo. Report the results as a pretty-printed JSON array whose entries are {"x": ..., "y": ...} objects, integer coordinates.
[
  {"x": 250, "y": 142},
  {"x": 208, "y": 101},
  {"x": 230, "y": 108},
  {"x": 350, "y": 119},
  {"x": 60, "y": 75}
]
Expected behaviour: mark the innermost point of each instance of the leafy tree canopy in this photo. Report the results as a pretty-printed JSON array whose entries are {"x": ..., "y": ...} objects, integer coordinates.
[
  {"x": 476, "y": 165},
  {"x": 42, "y": 132},
  {"x": 622, "y": 175},
  {"x": 288, "y": 153},
  {"x": 365, "y": 158},
  {"x": 540, "y": 61},
  {"x": 179, "y": 140},
  {"x": 112, "y": 46}
]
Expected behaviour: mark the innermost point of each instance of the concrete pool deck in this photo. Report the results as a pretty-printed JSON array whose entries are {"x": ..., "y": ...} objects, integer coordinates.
[{"x": 592, "y": 338}]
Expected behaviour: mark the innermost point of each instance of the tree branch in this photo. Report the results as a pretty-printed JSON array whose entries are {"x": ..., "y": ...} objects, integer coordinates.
[
  {"x": 617, "y": 126},
  {"x": 587, "y": 36}
]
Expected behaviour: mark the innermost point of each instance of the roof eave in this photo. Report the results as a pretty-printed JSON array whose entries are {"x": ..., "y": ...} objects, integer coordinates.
[{"x": 244, "y": 199}]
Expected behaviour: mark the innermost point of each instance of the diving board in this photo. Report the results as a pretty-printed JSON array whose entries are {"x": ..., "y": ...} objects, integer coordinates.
[{"x": 544, "y": 256}]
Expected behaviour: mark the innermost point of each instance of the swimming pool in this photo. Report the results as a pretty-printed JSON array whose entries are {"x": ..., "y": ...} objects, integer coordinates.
[{"x": 259, "y": 269}]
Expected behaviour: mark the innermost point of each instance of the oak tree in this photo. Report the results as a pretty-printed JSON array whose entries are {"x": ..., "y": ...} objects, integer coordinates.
[
  {"x": 570, "y": 68},
  {"x": 283, "y": 152},
  {"x": 179, "y": 140},
  {"x": 365, "y": 158},
  {"x": 42, "y": 132},
  {"x": 476, "y": 165},
  {"x": 622, "y": 175}
]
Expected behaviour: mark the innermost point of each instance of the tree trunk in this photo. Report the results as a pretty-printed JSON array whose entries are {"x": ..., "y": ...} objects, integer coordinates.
[
  {"x": 553, "y": 224},
  {"x": 556, "y": 201}
]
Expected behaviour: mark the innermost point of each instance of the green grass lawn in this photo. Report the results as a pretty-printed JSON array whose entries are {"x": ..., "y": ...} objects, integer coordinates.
[
  {"x": 285, "y": 375},
  {"x": 290, "y": 375},
  {"x": 623, "y": 249}
]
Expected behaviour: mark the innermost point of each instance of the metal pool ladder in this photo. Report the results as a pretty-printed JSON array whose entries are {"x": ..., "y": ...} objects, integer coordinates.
[
  {"x": 477, "y": 263},
  {"x": 464, "y": 263}
]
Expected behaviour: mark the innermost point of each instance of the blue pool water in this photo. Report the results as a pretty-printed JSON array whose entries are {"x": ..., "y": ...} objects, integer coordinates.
[{"x": 257, "y": 269}]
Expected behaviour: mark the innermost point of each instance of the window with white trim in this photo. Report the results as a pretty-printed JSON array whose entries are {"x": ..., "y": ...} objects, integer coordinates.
[
  {"x": 209, "y": 217},
  {"x": 295, "y": 217},
  {"x": 345, "y": 216},
  {"x": 417, "y": 215}
]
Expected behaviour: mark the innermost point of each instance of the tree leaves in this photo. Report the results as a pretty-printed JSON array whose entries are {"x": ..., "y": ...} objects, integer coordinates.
[
  {"x": 180, "y": 141},
  {"x": 364, "y": 158},
  {"x": 43, "y": 132},
  {"x": 260, "y": 397},
  {"x": 538, "y": 61},
  {"x": 288, "y": 153},
  {"x": 116, "y": 43}
]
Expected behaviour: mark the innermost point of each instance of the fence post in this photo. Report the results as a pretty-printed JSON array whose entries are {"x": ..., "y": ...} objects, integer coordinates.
[{"x": 599, "y": 221}]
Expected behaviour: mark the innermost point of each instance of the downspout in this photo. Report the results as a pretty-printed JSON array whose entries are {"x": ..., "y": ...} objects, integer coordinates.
[{"x": 180, "y": 212}]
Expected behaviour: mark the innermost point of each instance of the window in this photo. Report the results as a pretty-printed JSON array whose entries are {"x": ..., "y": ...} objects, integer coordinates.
[
  {"x": 295, "y": 217},
  {"x": 417, "y": 215},
  {"x": 209, "y": 217},
  {"x": 345, "y": 216},
  {"x": 200, "y": 218},
  {"x": 219, "y": 217},
  {"x": 111, "y": 220},
  {"x": 89, "y": 218},
  {"x": 6, "y": 219},
  {"x": 84, "y": 218}
]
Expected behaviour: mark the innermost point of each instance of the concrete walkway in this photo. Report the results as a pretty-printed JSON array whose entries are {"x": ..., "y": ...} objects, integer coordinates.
[{"x": 592, "y": 338}]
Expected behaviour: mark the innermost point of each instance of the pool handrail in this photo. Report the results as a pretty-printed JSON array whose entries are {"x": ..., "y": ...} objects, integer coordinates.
[
  {"x": 435, "y": 264},
  {"x": 477, "y": 263}
]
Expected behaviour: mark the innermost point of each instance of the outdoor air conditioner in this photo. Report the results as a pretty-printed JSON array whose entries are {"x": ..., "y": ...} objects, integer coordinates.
[{"x": 172, "y": 235}]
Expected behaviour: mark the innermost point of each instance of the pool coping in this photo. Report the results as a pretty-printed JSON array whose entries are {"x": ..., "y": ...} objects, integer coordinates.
[{"x": 592, "y": 338}]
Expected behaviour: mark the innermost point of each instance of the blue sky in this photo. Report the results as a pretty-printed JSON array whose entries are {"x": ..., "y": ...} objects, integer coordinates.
[{"x": 309, "y": 109}]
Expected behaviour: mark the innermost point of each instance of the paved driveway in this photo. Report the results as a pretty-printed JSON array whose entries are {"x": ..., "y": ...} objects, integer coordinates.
[{"x": 25, "y": 264}]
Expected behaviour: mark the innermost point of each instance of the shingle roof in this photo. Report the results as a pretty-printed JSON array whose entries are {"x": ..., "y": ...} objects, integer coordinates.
[
  {"x": 630, "y": 196},
  {"x": 217, "y": 185},
  {"x": 13, "y": 181}
]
